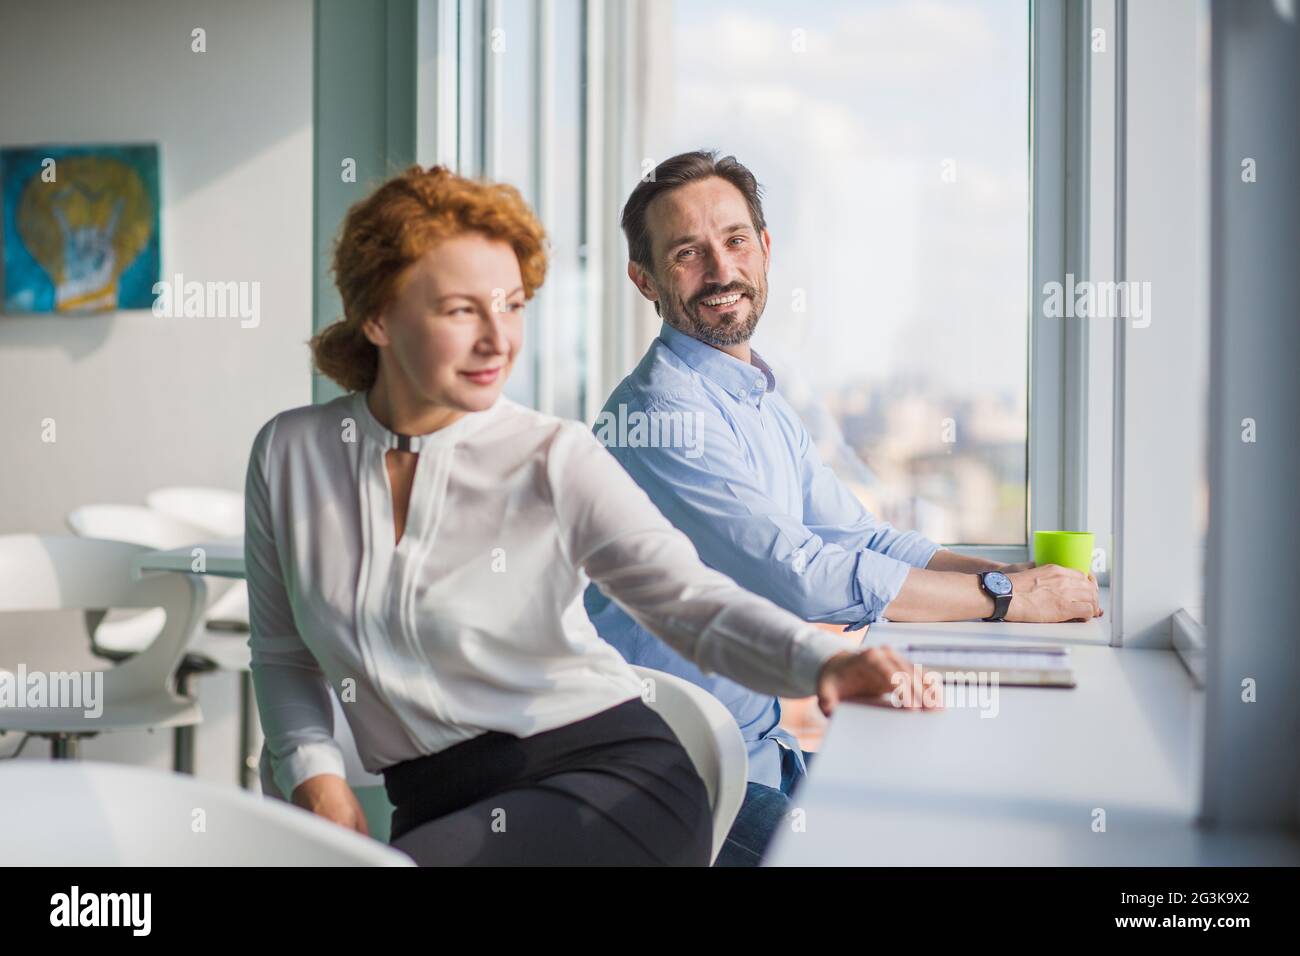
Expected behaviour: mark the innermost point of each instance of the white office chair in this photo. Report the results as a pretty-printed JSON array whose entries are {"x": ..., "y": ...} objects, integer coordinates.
[
  {"x": 704, "y": 726},
  {"x": 62, "y": 572},
  {"x": 98, "y": 814},
  {"x": 221, "y": 645},
  {"x": 227, "y": 598},
  {"x": 219, "y": 512},
  {"x": 711, "y": 738}
]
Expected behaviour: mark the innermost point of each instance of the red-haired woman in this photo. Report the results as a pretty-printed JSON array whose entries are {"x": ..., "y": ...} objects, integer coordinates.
[{"x": 419, "y": 545}]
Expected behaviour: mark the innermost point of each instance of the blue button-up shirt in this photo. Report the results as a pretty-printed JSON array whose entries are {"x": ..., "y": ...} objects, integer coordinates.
[{"x": 729, "y": 463}]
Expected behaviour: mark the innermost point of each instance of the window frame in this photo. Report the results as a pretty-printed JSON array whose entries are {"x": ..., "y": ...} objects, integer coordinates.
[
  {"x": 458, "y": 115},
  {"x": 1059, "y": 354},
  {"x": 454, "y": 126},
  {"x": 1059, "y": 361}
]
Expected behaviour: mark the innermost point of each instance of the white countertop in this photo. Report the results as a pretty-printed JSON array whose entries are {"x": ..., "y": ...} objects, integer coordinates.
[{"x": 1021, "y": 786}]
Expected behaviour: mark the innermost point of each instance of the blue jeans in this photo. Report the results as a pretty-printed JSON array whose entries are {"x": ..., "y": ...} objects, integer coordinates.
[{"x": 760, "y": 815}]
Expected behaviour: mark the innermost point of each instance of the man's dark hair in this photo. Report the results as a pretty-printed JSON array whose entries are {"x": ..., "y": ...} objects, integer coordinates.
[{"x": 678, "y": 171}]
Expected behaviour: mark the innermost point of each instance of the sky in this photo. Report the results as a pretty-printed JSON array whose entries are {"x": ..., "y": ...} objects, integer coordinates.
[{"x": 904, "y": 274}]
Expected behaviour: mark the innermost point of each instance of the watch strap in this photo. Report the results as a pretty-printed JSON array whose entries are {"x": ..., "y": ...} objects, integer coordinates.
[{"x": 1001, "y": 602}]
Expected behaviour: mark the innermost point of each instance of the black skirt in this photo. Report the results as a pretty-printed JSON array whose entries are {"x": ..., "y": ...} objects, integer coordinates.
[{"x": 616, "y": 788}]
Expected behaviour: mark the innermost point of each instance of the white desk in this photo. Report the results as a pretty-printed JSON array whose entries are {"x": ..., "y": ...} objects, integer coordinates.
[
  {"x": 907, "y": 788},
  {"x": 224, "y": 559}
]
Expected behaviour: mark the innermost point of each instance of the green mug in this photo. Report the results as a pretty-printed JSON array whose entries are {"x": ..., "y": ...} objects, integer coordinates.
[{"x": 1069, "y": 549}]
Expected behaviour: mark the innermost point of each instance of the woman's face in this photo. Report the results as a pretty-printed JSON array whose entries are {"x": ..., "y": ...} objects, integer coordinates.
[{"x": 457, "y": 322}]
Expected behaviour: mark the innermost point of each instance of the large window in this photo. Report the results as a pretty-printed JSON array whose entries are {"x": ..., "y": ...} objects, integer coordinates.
[
  {"x": 892, "y": 140},
  {"x": 521, "y": 119}
]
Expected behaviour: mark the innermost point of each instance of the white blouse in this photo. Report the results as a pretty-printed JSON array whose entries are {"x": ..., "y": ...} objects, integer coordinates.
[{"x": 474, "y": 621}]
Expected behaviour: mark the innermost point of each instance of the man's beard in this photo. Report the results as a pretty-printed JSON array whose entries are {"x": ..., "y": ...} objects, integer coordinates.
[{"x": 688, "y": 320}]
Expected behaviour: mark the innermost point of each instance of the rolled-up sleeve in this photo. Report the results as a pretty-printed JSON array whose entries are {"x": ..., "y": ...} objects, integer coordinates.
[
  {"x": 837, "y": 516},
  {"x": 292, "y": 693},
  {"x": 815, "y": 570},
  {"x": 634, "y": 556}
]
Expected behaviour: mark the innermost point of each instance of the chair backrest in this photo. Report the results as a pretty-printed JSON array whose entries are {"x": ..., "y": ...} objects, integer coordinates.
[
  {"x": 711, "y": 738},
  {"x": 96, "y": 814},
  {"x": 67, "y": 573},
  {"x": 217, "y": 510},
  {"x": 140, "y": 525},
  {"x": 706, "y": 729},
  {"x": 136, "y": 524}
]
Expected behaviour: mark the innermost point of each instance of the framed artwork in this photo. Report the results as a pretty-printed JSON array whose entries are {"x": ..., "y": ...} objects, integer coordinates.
[{"x": 80, "y": 227}]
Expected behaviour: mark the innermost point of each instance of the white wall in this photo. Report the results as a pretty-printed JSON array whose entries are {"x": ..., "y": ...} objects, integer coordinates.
[
  {"x": 1252, "y": 775},
  {"x": 140, "y": 402},
  {"x": 1162, "y": 368}
]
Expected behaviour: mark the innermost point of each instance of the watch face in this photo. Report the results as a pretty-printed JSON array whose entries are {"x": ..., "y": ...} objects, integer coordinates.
[{"x": 997, "y": 582}]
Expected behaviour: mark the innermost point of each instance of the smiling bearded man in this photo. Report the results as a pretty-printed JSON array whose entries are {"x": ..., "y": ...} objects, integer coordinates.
[{"x": 752, "y": 494}]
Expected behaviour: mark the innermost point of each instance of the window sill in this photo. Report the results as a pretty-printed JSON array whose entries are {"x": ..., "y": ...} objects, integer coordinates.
[
  {"x": 1188, "y": 635},
  {"x": 1105, "y": 773}
]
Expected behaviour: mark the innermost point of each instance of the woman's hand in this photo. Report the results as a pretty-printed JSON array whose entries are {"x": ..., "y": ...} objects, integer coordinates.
[
  {"x": 328, "y": 795},
  {"x": 868, "y": 675}
]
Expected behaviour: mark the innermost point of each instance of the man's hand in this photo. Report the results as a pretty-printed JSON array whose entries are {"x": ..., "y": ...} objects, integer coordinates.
[
  {"x": 1052, "y": 593},
  {"x": 869, "y": 675},
  {"x": 328, "y": 795}
]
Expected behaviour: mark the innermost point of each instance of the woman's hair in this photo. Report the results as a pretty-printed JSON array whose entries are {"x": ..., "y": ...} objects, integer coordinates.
[{"x": 390, "y": 230}]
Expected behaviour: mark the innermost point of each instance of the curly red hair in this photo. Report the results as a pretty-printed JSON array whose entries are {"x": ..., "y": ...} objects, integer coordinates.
[{"x": 390, "y": 230}]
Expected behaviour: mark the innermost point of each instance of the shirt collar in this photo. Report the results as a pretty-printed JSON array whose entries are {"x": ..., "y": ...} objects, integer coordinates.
[
  {"x": 458, "y": 430},
  {"x": 746, "y": 382}
]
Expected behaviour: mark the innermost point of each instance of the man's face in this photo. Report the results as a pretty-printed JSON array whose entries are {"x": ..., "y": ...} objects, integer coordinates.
[{"x": 709, "y": 267}]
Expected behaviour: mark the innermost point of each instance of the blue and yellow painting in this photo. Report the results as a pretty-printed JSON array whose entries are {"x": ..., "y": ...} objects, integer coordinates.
[{"x": 80, "y": 227}]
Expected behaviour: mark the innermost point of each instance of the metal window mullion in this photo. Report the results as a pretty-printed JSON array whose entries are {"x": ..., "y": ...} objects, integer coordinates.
[
  {"x": 490, "y": 78},
  {"x": 1101, "y": 337},
  {"x": 544, "y": 190},
  {"x": 1119, "y": 272},
  {"x": 437, "y": 56},
  {"x": 594, "y": 54},
  {"x": 1074, "y": 444},
  {"x": 624, "y": 116},
  {"x": 1047, "y": 261},
  {"x": 469, "y": 87},
  {"x": 1058, "y": 348}
]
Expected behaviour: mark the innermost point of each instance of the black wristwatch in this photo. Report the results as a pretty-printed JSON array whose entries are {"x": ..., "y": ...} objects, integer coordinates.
[{"x": 998, "y": 586}]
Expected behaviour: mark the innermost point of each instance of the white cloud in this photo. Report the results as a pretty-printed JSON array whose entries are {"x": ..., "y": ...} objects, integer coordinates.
[{"x": 901, "y": 269}]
